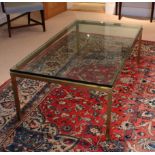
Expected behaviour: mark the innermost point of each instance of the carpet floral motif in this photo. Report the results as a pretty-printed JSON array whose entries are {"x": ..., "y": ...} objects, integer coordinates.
[
  {"x": 65, "y": 118},
  {"x": 28, "y": 89}
]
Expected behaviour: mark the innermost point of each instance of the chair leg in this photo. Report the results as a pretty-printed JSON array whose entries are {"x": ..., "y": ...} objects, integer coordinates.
[
  {"x": 152, "y": 11},
  {"x": 120, "y": 10},
  {"x": 9, "y": 25},
  {"x": 116, "y": 8},
  {"x": 29, "y": 16},
  {"x": 43, "y": 19}
]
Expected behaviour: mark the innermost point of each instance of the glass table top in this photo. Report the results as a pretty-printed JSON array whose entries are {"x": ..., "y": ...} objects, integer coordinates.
[{"x": 84, "y": 51}]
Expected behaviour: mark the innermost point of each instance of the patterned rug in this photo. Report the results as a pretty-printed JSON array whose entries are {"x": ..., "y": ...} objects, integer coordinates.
[{"x": 65, "y": 118}]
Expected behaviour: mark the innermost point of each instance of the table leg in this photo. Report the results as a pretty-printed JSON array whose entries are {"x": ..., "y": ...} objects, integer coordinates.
[
  {"x": 16, "y": 96},
  {"x": 108, "y": 122},
  {"x": 139, "y": 48},
  {"x": 77, "y": 37}
]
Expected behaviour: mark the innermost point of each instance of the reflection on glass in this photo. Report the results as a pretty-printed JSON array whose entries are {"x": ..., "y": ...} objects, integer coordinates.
[{"x": 87, "y": 51}]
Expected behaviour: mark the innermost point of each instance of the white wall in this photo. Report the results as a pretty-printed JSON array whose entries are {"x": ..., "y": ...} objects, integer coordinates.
[
  {"x": 69, "y": 5},
  {"x": 110, "y": 8}
]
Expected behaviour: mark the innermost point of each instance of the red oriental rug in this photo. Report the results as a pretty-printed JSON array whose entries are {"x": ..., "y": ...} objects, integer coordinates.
[{"x": 65, "y": 118}]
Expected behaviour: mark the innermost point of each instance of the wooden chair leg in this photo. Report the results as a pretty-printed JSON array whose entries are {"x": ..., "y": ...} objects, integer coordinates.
[
  {"x": 120, "y": 10},
  {"x": 152, "y": 11},
  {"x": 43, "y": 19},
  {"x": 116, "y": 8},
  {"x": 9, "y": 25},
  {"x": 29, "y": 16}
]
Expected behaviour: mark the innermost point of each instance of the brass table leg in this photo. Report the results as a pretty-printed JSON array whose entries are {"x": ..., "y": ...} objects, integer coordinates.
[
  {"x": 139, "y": 48},
  {"x": 77, "y": 37},
  {"x": 16, "y": 96},
  {"x": 108, "y": 122}
]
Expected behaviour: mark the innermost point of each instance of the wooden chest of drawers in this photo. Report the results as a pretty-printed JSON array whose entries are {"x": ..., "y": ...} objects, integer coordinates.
[{"x": 54, "y": 8}]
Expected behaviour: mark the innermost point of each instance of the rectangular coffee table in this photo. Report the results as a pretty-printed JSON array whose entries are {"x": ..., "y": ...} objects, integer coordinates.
[{"x": 84, "y": 54}]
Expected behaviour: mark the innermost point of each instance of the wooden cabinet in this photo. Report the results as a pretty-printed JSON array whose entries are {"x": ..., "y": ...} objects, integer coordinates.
[{"x": 54, "y": 8}]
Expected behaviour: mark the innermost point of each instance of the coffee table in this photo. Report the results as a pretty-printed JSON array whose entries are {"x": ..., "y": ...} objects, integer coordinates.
[{"x": 84, "y": 54}]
